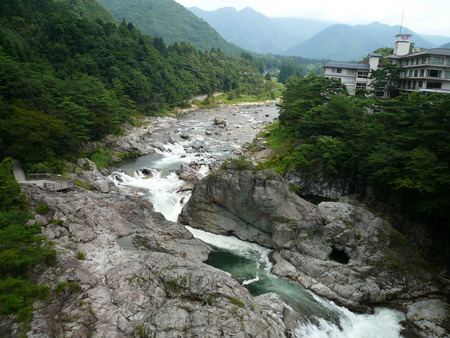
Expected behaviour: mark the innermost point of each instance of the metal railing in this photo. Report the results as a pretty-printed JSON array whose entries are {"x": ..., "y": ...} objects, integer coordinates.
[
  {"x": 51, "y": 181},
  {"x": 57, "y": 186},
  {"x": 42, "y": 176}
]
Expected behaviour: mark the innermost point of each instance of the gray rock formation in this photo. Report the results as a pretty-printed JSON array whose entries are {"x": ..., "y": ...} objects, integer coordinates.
[
  {"x": 337, "y": 250},
  {"x": 123, "y": 270},
  {"x": 247, "y": 205},
  {"x": 136, "y": 140},
  {"x": 87, "y": 175},
  {"x": 319, "y": 185}
]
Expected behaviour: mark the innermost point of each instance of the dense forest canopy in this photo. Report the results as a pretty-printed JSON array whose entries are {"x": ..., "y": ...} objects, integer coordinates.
[
  {"x": 171, "y": 21},
  {"x": 67, "y": 77},
  {"x": 399, "y": 147}
]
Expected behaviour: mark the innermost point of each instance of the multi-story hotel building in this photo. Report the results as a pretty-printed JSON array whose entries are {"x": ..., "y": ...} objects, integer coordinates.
[{"x": 426, "y": 70}]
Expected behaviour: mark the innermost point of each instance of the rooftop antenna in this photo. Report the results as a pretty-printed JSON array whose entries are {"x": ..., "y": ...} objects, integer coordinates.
[{"x": 401, "y": 24}]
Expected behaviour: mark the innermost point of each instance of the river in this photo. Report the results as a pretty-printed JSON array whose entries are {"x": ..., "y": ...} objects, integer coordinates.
[{"x": 202, "y": 140}]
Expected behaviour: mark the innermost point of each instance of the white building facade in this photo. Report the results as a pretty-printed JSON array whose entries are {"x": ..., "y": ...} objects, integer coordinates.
[
  {"x": 427, "y": 70},
  {"x": 353, "y": 75}
]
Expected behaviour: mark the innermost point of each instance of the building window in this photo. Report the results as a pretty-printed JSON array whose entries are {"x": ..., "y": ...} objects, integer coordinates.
[
  {"x": 434, "y": 73},
  {"x": 437, "y": 60},
  {"x": 420, "y": 84},
  {"x": 363, "y": 74},
  {"x": 416, "y": 73},
  {"x": 434, "y": 85},
  {"x": 360, "y": 85},
  {"x": 336, "y": 70},
  {"x": 422, "y": 72},
  {"x": 447, "y": 74},
  {"x": 347, "y": 81}
]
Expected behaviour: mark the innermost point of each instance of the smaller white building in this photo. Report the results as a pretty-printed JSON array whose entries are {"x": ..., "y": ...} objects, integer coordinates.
[{"x": 353, "y": 75}]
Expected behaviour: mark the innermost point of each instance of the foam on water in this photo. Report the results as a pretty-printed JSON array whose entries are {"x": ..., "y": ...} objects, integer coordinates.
[
  {"x": 161, "y": 189},
  {"x": 327, "y": 320}
]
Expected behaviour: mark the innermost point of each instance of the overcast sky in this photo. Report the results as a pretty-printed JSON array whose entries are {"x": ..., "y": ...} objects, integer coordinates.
[{"x": 421, "y": 16}]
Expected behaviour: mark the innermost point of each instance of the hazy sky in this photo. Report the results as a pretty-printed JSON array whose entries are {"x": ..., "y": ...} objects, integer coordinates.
[{"x": 421, "y": 16}]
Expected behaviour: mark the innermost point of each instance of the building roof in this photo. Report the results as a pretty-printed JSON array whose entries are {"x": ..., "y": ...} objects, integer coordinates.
[
  {"x": 433, "y": 51},
  {"x": 347, "y": 65}
]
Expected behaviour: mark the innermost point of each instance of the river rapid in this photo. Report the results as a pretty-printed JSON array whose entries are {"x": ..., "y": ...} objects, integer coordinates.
[{"x": 201, "y": 141}]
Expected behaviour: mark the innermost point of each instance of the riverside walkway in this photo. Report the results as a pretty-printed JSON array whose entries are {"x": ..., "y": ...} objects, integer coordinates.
[{"x": 44, "y": 181}]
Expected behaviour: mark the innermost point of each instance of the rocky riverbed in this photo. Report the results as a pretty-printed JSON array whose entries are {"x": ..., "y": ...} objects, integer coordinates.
[
  {"x": 340, "y": 251},
  {"x": 124, "y": 270}
]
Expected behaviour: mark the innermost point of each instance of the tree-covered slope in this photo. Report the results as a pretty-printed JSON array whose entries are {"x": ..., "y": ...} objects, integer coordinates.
[
  {"x": 338, "y": 42},
  {"x": 21, "y": 250},
  {"x": 67, "y": 78},
  {"x": 399, "y": 152},
  {"x": 171, "y": 21},
  {"x": 87, "y": 9}
]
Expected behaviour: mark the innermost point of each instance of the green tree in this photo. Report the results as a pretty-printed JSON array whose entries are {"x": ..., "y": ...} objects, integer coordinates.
[
  {"x": 21, "y": 249},
  {"x": 386, "y": 79},
  {"x": 302, "y": 95}
]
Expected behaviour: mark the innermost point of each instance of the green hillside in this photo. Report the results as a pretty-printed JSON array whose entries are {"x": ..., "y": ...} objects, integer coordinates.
[
  {"x": 87, "y": 9},
  {"x": 171, "y": 21},
  {"x": 338, "y": 42},
  {"x": 67, "y": 77}
]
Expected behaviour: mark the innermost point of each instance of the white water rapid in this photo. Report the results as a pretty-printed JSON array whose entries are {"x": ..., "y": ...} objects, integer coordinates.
[{"x": 248, "y": 262}]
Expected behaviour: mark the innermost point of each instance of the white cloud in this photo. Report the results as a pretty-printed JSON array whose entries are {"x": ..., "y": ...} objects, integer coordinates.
[{"x": 421, "y": 16}]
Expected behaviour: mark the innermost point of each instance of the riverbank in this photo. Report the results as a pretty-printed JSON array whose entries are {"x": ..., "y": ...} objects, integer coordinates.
[
  {"x": 137, "y": 140},
  {"x": 124, "y": 269}
]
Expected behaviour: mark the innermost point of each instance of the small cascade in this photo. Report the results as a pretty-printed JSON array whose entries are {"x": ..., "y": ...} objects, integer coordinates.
[
  {"x": 248, "y": 262},
  {"x": 161, "y": 188}
]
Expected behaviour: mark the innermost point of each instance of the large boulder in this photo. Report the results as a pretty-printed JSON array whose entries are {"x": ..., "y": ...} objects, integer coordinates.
[
  {"x": 123, "y": 270},
  {"x": 255, "y": 206},
  {"x": 319, "y": 185},
  {"x": 340, "y": 251}
]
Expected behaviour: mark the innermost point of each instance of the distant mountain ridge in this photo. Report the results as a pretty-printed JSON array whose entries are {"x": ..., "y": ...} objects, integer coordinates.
[
  {"x": 171, "y": 21},
  {"x": 346, "y": 43},
  {"x": 307, "y": 38},
  {"x": 256, "y": 32}
]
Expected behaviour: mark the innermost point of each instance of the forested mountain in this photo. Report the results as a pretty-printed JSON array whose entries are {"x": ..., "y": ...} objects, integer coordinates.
[
  {"x": 256, "y": 32},
  {"x": 346, "y": 43},
  {"x": 68, "y": 74},
  {"x": 329, "y": 43},
  {"x": 171, "y": 21}
]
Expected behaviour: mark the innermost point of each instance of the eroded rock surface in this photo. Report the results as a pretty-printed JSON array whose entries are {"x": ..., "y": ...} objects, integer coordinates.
[
  {"x": 337, "y": 250},
  {"x": 123, "y": 270}
]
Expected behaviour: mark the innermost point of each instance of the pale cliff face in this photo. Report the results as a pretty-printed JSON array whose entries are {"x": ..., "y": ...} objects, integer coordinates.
[{"x": 123, "y": 269}]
